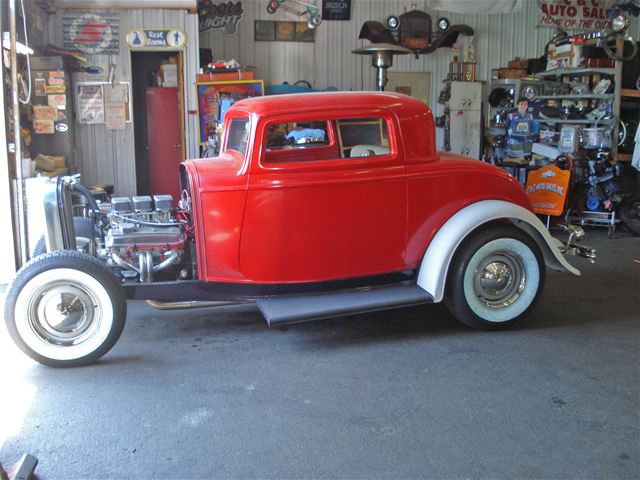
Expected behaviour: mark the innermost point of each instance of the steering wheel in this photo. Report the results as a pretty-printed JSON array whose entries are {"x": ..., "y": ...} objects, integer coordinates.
[
  {"x": 303, "y": 82},
  {"x": 272, "y": 6},
  {"x": 610, "y": 47},
  {"x": 619, "y": 29}
]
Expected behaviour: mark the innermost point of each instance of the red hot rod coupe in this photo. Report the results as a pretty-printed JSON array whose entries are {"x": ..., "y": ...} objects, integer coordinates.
[{"x": 319, "y": 205}]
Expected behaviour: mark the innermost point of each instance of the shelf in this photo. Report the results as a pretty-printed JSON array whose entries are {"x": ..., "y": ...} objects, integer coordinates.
[
  {"x": 623, "y": 157},
  {"x": 630, "y": 92},
  {"x": 575, "y": 71},
  {"x": 577, "y": 122},
  {"x": 606, "y": 96}
]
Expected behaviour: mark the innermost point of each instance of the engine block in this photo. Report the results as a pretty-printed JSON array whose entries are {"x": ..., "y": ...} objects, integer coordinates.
[{"x": 143, "y": 236}]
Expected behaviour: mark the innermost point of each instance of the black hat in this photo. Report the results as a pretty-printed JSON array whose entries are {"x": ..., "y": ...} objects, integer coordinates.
[{"x": 497, "y": 96}]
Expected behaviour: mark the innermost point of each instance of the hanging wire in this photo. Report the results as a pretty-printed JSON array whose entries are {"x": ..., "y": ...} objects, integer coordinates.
[{"x": 26, "y": 43}]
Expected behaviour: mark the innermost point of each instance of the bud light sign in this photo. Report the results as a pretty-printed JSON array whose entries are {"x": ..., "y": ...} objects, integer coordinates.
[{"x": 224, "y": 15}]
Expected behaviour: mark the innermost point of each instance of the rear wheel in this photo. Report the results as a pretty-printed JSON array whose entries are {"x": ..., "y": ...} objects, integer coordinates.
[
  {"x": 630, "y": 214},
  {"x": 65, "y": 309},
  {"x": 495, "y": 278}
]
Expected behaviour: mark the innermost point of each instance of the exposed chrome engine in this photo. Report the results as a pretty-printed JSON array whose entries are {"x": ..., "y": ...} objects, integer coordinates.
[{"x": 142, "y": 237}]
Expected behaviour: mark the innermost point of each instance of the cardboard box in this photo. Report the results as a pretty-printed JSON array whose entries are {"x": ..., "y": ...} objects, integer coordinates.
[
  {"x": 512, "y": 73},
  {"x": 225, "y": 77},
  {"x": 57, "y": 172},
  {"x": 169, "y": 73},
  {"x": 515, "y": 64},
  {"x": 58, "y": 161},
  {"x": 49, "y": 163}
]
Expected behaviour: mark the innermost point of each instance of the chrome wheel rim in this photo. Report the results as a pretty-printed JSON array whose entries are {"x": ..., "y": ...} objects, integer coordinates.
[
  {"x": 500, "y": 279},
  {"x": 64, "y": 313}
]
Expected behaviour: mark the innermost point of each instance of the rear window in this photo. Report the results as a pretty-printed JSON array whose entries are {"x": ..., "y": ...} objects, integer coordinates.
[
  {"x": 282, "y": 136},
  {"x": 322, "y": 140},
  {"x": 363, "y": 137},
  {"x": 238, "y": 135}
]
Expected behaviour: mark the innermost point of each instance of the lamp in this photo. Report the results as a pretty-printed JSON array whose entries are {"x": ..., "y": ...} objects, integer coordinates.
[{"x": 381, "y": 59}]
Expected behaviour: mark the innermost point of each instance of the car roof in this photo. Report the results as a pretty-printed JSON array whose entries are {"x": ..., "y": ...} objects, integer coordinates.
[{"x": 402, "y": 105}]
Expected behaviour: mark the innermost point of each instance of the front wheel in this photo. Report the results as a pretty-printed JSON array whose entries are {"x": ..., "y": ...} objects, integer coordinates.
[
  {"x": 65, "y": 309},
  {"x": 495, "y": 278}
]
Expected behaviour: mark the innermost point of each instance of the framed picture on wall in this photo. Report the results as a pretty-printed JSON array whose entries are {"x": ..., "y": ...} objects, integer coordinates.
[
  {"x": 304, "y": 33},
  {"x": 286, "y": 31},
  {"x": 215, "y": 98},
  {"x": 264, "y": 30}
]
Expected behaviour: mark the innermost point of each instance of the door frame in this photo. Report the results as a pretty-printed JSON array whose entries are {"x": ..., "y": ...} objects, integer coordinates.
[{"x": 182, "y": 97}]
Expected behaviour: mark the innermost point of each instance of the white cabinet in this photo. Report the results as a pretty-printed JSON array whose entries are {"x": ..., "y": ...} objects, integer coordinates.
[
  {"x": 465, "y": 132},
  {"x": 465, "y": 107},
  {"x": 465, "y": 96}
]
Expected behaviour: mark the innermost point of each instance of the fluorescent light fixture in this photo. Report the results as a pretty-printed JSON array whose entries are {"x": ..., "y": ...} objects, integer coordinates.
[{"x": 20, "y": 47}]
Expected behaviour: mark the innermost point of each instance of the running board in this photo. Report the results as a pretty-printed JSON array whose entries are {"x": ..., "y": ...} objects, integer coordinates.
[{"x": 306, "y": 308}]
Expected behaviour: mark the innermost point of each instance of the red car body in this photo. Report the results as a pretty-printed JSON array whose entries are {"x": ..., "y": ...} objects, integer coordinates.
[{"x": 323, "y": 217}]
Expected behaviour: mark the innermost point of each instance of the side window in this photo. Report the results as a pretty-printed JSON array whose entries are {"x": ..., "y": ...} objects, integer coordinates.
[
  {"x": 238, "y": 135},
  {"x": 363, "y": 137},
  {"x": 286, "y": 136}
]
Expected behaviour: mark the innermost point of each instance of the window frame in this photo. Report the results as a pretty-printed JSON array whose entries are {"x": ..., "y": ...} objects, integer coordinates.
[
  {"x": 339, "y": 161},
  {"x": 225, "y": 140}
]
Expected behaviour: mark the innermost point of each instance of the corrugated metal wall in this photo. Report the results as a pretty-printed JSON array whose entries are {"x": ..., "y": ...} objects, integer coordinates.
[
  {"x": 107, "y": 156},
  {"x": 328, "y": 61}
]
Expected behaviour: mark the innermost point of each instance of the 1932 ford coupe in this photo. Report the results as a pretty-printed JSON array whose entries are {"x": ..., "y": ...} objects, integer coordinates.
[{"x": 319, "y": 205}]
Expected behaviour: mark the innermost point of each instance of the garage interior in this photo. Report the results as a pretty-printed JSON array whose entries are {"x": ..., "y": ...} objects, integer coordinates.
[{"x": 408, "y": 392}]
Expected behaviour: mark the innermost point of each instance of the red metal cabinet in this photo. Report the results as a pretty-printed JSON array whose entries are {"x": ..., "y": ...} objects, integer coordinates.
[{"x": 163, "y": 134}]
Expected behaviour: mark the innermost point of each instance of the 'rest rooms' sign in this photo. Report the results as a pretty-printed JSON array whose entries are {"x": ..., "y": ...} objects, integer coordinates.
[{"x": 575, "y": 14}]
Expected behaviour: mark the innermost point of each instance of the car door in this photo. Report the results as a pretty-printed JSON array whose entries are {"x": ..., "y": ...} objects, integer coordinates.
[{"x": 325, "y": 208}]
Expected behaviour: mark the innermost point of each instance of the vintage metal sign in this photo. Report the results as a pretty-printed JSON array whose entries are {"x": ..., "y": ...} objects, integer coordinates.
[
  {"x": 336, "y": 9},
  {"x": 157, "y": 38},
  {"x": 223, "y": 15},
  {"x": 92, "y": 32},
  {"x": 575, "y": 14}
]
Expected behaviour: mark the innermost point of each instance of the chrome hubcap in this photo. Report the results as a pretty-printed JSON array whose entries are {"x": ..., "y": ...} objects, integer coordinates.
[
  {"x": 500, "y": 279},
  {"x": 64, "y": 314}
]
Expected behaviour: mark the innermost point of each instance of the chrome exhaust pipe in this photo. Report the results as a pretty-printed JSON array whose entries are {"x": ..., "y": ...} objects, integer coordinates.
[{"x": 189, "y": 305}]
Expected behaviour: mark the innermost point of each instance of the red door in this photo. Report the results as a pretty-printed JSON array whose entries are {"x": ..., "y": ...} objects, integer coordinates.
[
  {"x": 310, "y": 217},
  {"x": 164, "y": 137}
]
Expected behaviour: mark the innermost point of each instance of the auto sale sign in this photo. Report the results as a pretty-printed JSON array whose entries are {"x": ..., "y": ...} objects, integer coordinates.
[{"x": 575, "y": 14}]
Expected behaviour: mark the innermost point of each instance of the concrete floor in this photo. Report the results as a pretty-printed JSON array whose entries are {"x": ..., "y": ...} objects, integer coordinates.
[{"x": 400, "y": 394}]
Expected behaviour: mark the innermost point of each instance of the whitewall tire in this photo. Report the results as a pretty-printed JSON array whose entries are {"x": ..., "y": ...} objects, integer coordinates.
[
  {"x": 65, "y": 309},
  {"x": 495, "y": 278}
]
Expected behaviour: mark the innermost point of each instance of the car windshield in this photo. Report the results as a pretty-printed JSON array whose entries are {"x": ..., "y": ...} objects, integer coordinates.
[{"x": 238, "y": 135}]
